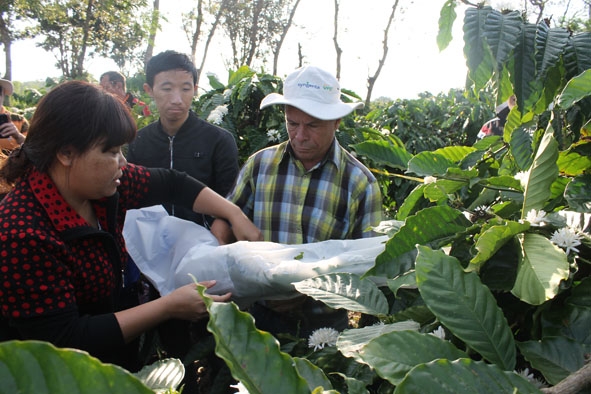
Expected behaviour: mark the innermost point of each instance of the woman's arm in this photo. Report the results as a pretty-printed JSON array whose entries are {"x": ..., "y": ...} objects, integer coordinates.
[
  {"x": 211, "y": 203},
  {"x": 184, "y": 303}
]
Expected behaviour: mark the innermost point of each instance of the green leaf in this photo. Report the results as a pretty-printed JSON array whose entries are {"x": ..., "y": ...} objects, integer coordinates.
[
  {"x": 214, "y": 82},
  {"x": 571, "y": 321},
  {"x": 312, "y": 374},
  {"x": 523, "y": 68},
  {"x": 550, "y": 45},
  {"x": 521, "y": 148},
  {"x": 465, "y": 306},
  {"x": 381, "y": 152},
  {"x": 350, "y": 342},
  {"x": 581, "y": 294},
  {"x": 250, "y": 353},
  {"x": 163, "y": 374},
  {"x": 433, "y": 226},
  {"x": 572, "y": 163},
  {"x": 542, "y": 267},
  {"x": 478, "y": 56},
  {"x": 575, "y": 90},
  {"x": 501, "y": 31},
  {"x": 462, "y": 376},
  {"x": 428, "y": 163},
  {"x": 354, "y": 386},
  {"x": 40, "y": 367},
  {"x": 412, "y": 203},
  {"x": 455, "y": 153},
  {"x": 541, "y": 175},
  {"x": 447, "y": 17},
  {"x": 554, "y": 357},
  {"x": 406, "y": 280},
  {"x": 578, "y": 193},
  {"x": 344, "y": 290},
  {"x": 577, "y": 56},
  {"x": 492, "y": 239},
  {"x": 440, "y": 190},
  {"x": 392, "y": 355}
]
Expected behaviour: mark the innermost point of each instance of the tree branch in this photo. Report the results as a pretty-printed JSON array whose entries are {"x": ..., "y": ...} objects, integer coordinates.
[{"x": 573, "y": 383}]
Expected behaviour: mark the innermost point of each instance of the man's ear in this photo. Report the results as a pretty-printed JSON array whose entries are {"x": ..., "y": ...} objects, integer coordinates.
[
  {"x": 66, "y": 156},
  {"x": 148, "y": 89}
]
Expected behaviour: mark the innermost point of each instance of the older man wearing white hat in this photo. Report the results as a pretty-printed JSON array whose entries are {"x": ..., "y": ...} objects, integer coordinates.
[
  {"x": 306, "y": 189},
  {"x": 12, "y": 126}
]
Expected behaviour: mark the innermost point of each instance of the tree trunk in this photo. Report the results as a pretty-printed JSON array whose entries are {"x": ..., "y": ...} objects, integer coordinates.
[
  {"x": 335, "y": 38},
  {"x": 197, "y": 32},
  {"x": 153, "y": 29},
  {"x": 79, "y": 66},
  {"x": 254, "y": 32},
  {"x": 372, "y": 80},
  {"x": 216, "y": 22},
  {"x": 5, "y": 38},
  {"x": 286, "y": 27}
]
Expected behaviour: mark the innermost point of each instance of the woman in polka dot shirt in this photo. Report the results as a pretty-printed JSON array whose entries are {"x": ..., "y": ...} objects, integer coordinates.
[{"x": 62, "y": 259}]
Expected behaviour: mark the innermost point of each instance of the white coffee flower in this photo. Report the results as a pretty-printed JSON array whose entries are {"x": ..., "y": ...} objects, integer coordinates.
[
  {"x": 439, "y": 333},
  {"x": 567, "y": 239},
  {"x": 240, "y": 387},
  {"x": 536, "y": 218},
  {"x": 227, "y": 93},
  {"x": 273, "y": 135},
  {"x": 521, "y": 177},
  {"x": 217, "y": 114},
  {"x": 323, "y": 337},
  {"x": 531, "y": 378},
  {"x": 429, "y": 179}
]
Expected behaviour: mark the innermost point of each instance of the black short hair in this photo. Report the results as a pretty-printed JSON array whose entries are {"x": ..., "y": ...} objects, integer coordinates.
[{"x": 169, "y": 60}]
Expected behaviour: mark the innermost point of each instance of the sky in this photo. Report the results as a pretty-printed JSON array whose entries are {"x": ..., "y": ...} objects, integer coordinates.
[{"x": 413, "y": 65}]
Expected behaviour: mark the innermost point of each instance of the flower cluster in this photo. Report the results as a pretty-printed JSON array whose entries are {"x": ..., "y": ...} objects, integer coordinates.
[
  {"x": 274, "y": 135},
  {"x": 536, "y": 218},
  {"x": 323, "y": 337},
  {"x": 531, "y": 378},
  {"x": 439, "y": 333},
  {"x": 567, "y": 239},
  {"x": 217, "y": 114}
]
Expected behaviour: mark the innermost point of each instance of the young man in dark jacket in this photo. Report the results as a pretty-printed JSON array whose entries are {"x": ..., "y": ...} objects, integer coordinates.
[{"x": 179, "y": 139}]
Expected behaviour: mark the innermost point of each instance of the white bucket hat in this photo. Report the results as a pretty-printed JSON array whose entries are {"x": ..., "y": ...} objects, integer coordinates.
[
  {"x": 314, "y": 91},
  {"x": 7, "y": 87}
]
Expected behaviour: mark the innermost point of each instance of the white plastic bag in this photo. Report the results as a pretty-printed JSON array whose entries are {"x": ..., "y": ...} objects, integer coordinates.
[{"x": 167, "y": 249}]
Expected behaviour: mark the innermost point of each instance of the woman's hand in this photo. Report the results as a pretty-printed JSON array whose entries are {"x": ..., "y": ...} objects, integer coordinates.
[
  {"x": 243, "y": 228},
  {"x": 185, "y": 302}
]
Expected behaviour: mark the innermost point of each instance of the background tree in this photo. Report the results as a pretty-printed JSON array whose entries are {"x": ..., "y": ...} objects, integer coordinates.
[
  {"x": 193, "y": 24},
  {"x": 76, "y": 31},
  {"x": 6, "y": 34},
  {"x": 154, "y": 26},
  {"x": 372, "y": 79},
  {"x": 282, "y": 29},
  {"x": 335, "y": 39},
  {"x": 257, "y": 28}
]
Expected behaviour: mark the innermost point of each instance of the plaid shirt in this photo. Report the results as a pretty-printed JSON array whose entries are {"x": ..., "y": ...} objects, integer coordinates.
[{"x": 337, "y": 199}]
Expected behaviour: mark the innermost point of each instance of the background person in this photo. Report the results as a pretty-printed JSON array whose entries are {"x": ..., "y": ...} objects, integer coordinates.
[
  {"x": 13, "y": 132},
  {"x": 114, "y": 82},
  {"x": 496, "y": 125},
  {"x": 61, "y": 277},
  {"x": 307, "y": 189}
]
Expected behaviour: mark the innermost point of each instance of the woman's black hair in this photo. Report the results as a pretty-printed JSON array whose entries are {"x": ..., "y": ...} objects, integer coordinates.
[{"x": 74, "y": 114}]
